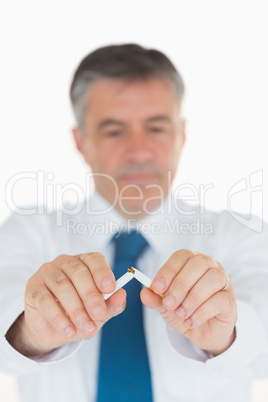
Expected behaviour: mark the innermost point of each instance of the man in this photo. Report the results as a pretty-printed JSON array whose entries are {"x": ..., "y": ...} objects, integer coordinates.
[{"x": 199, "y": 335}]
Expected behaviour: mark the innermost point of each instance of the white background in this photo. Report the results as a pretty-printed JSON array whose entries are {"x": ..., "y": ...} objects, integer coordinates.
[{"x": 219, "y": 47}]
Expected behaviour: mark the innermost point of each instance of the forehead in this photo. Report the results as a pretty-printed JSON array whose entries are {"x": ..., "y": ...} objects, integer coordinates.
[{"x": 139, "y": 98}]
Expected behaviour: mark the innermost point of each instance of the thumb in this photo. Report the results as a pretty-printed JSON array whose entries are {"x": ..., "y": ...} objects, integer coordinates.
[{"x": 152, "y": 300}]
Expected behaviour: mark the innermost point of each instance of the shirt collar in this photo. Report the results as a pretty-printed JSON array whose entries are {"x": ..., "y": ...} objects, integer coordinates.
[{"x": 104, "y": 222}]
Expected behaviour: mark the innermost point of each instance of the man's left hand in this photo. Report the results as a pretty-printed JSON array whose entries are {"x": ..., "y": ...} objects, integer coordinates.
[{"x": 194, "y": 301}]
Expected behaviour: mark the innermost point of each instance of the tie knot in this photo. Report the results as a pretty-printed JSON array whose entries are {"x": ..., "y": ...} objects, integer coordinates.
[{"x": 129, "y": 246}]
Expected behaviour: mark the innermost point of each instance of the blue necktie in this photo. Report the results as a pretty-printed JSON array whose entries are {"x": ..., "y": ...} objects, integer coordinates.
[{"x": 124, "y": 372}]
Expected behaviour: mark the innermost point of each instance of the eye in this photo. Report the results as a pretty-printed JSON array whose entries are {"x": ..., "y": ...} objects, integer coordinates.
[
  {"x": 114, "y": 133},
  {"x": 156, "y": 129}
]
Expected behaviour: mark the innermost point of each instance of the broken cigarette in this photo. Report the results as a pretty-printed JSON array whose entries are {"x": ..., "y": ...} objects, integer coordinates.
[
  {"x": 142, "y": 278},
  {"x": 132, "y": 273}
]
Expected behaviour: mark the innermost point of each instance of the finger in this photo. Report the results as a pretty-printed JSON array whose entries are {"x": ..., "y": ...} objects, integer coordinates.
[
  {"x": 62, "y": 288},
  {"x": 187, "y": 277},
  {"x": 100, "y": 270},
  {"x": 220, "y": 306},
  {"x": 152, "y": 300},
  {"x": 211, "y": 282},
  {"x": 115, "y": 305},
  {"x": 169, "y": 270},
  {"x": 82, "y": 280},
  {"x": 38, "y": 297}
]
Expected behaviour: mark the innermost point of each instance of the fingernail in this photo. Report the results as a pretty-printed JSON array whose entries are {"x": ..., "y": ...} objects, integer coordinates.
[
  {"x": 169, "y": 301},
  {"x": 119, "y": 308},
  {"x": 107, "y": 283},
  {"x": 97, "y": 311},
  {"x": 188, "y": 322},
  {"x": 88, "y": 326},
  {"x": 159, "y": 284},
  {"x": 180, "y": 311},
  {"x": 69, "y": 331}
]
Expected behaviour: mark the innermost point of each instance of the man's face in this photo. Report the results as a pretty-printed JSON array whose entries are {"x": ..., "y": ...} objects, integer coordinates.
[{"x": 132, "y": 139}]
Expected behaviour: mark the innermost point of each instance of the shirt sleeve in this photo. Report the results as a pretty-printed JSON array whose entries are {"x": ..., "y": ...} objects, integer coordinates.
[
  {"x": 22, "y": 240},
  {"x": 243, "y": 254}
]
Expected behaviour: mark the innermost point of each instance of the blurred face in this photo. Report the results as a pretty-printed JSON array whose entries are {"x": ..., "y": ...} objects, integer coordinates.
[{"x": 132, "y": 139}]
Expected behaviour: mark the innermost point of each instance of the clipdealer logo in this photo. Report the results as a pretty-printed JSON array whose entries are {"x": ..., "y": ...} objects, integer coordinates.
[
  {"x": 248, "y": 191},
  {"x": 107, "y": 226},
  {"x": 51, "y": 197}
]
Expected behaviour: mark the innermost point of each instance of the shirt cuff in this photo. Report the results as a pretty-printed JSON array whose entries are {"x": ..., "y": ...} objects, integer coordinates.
[
  {"x": 250, "y": 342},
  {"x": 59, "y": 354},
  {"x": 185, "y": 347},
  {"x": 14, "y": 363}
]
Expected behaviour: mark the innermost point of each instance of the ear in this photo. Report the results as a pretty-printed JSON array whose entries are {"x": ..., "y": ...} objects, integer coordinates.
[
  {"x": 78, "y": 139},
  {"x": 183, "y": 130}
]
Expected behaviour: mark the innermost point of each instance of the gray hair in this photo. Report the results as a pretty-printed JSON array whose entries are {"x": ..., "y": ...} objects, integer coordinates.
[{"x": 128, "y": 62}]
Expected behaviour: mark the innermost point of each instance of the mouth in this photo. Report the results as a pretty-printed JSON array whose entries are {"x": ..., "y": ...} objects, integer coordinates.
[{"x": 139, "y": 178}]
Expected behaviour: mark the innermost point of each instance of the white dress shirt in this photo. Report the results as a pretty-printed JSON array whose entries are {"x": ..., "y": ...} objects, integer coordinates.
[{"x": 180, "y": 370}]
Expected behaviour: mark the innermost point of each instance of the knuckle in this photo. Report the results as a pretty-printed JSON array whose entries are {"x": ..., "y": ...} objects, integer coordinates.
[
  {"x": 180, "y": 287},
  {"x": 78, "y": 312},
  {"x": 61, "y": 258},
  {"x": 93, "y": 258},
  {"x": 77, "y": 268},
  {"x": 218, "y": 276},
  {"x": 193, "y": 299},
  {"x": 39, "y": 297},
  {"x": 201, "y": 259},
  {"x": 31, "y": 282},
  {"x": 59, "y": 280},
  {"x": 35, "y": 294},
  {"x": 168, "y": 270},
  {"x": 68, "y": 261},
  {"x": 57, "y": 318},
  {"x": 44, "y": 267},
  {"x": 185, "y": 253},
  {"x": 91, "y": 296}
]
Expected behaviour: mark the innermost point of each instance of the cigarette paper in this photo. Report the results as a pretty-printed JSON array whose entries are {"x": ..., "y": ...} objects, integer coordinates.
[
  {"x": 142, "y": 278},
  {"x": 122, "y": 281}
]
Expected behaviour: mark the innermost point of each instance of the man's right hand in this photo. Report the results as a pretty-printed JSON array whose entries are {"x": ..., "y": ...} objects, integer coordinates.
[{"x": 64, "y": 303}]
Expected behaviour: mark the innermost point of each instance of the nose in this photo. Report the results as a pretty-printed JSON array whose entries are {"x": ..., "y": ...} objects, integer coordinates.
[{"x": 139, "y": 148}]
